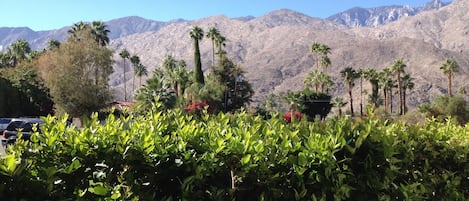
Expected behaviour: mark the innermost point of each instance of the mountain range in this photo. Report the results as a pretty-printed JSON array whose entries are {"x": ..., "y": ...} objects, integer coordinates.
[{"x": 274, "y": 49}]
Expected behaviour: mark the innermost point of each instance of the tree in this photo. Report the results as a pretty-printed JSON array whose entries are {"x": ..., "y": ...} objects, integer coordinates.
[
  {"x": 197, "y": 34},
  {"x": 313, "y": 80},
  {"x": 349, "y": 75},
  {"x": 52, "y": 44},
  {"x": 361, "y": 75},
  {"x": 449, "y": 67},
  {"x": 407, "y": 84},
  {"x": 100, "y": 32},
  {"x": 237, "y": 90},
  {"x": 155, "y": 91},
  {"x": 339, "y": 103},
  {"x": 213, "y": 34},
  {"x": 373, "y": 77},
  {"x": 398, "y": 68},
  {"x": 135, "y": 60},
  {"x": 141, "y": 71},
  {"x": 124, "y": 55},
  {"x": 18, "y": 51},
  {"x": 321, "y": 51},
  {"x": 77, "y": 74},
  {"x": 169, "y": 66}
]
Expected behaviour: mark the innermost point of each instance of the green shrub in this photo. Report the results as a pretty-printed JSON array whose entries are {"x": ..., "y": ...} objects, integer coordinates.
[{"x": 173, "y": 156}]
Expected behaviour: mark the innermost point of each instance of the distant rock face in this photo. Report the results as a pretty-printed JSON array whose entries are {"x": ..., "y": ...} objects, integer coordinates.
[
  {"x": 373, "y": 17},
  {"x": 274, "y": 49}
]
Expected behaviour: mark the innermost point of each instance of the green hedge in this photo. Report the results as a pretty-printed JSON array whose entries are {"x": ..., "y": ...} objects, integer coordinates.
[{"x": 173, "y": 156}]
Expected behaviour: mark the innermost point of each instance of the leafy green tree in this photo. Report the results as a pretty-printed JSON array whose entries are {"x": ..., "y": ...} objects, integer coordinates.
[
  {"x": 387, "y": 84},
  {"x": 449, "y": 67},
  {"x": 124, "y": 54},
  {"x": 398, "y": 68},
  {"x": 197, "y": 34},
  {"x": 349, "y": 75},
  {"x": 237, "y": 90},
  {"x": 312, "y": 79},
  {"x": 77, "y": 74},
  {"x": 447, "y": 106}
]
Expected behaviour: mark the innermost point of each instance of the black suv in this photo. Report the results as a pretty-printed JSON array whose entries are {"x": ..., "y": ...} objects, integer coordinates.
[{"x": 23, "y": 125}]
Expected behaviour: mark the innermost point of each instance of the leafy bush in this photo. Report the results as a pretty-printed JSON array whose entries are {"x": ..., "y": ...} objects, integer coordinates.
[
  {"x": 447, "y": 106},
  {"x": 168, "y": 155}
]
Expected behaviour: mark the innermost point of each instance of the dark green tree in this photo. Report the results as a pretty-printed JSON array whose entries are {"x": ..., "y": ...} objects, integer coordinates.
[
  {"x": 398, "y": 69},
  {"x": 135, "y": 60},
  {"x": 197, "y": 34}
]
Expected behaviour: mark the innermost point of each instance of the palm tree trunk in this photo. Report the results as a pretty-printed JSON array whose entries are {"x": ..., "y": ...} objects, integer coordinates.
[
  {"x": 361, "y": 96},
  {"x": 385, "y": 92},
  {"x": 399, "y": 88},
  {"x": 351, "y": 99},
  {"x": 125, "y": 85},
  {"x": 404, "y": 101},
  {"x": 390, "y": 100},
  {"x": 449, "y": 84}
]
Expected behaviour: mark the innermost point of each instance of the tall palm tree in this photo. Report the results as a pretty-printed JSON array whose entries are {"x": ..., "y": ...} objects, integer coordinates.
[
  {"x": 100, "y": 32},
  {"x": 349, "y": 75},
  {"x": 398, "y": 68},
  {"x": 212, "y": 34},
  {"x": 141, "y": 71},
  {"x": 407, "y": 84},
  {"x": 361, "y": 75},
  {"x": 325, "y": 81},
  {"x": 449, "y": 67},
  {"x": 135, "y": 60},
  {"x": 125, "y": 55},
  {"x": 197, "y": 34},
  {"x": 19, "y": 51}
]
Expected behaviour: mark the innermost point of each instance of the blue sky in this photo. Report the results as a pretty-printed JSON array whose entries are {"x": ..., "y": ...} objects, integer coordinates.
[{"x": 54, "y": 14}]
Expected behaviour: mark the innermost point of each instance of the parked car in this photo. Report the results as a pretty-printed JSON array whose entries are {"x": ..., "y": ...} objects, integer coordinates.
[
  {"x": 23, "y": 125},
  {"x": 4, "y": 123}
]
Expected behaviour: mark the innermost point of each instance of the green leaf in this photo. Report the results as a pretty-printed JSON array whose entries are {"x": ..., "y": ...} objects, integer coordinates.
[
  {"x": 98, "y": 190},
  {"x": 245, "y": 160},
  {"x": 73, "y": 166},
  {"x": 302, "y": 159}
]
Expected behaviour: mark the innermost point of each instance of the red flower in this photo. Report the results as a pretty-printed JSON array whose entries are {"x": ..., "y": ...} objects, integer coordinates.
[
  {"x": 196, "y": 106},
  {"x": 288, "y": 116}
]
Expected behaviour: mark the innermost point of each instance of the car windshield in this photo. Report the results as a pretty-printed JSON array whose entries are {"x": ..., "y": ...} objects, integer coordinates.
[{"x": 24, "y": 126}]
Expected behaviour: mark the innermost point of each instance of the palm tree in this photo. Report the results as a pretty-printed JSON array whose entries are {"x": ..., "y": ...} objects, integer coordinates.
[
  {"x": 135, "y": 60},
  {"x": 19, "y": 51},
  {"x": 361, "y": 75},
  {"x": 100, "y": 32},
  {"x": 313, "y": 79},
  {"x": 53, "y": 44},
  {"x": 125, "y": 55},
  {"x": 449, "y": 67},
  {"x": 321, "y": 51},
  {"x": 169, "y": 66},
  {"x": 77, "y": 28},
  {"x": 141, "y": 71},
  {"x": 197, "y": 34},
  {"x": 339, "y": 103},
  {"x": 213, "y": 34},
  {"x": 407, "y": 84},
  {"x": 398, "y": 68},
  {"x": 325, "y": 82},
  {"x": 373, "y": 77},
  {"x": 349, "y": 75}
]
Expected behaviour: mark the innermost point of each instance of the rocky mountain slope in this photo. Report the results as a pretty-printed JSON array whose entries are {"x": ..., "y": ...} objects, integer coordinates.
[
  {"x": 274, "y": 49},
  {"x": 373, "y": 17}
]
